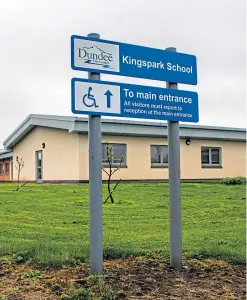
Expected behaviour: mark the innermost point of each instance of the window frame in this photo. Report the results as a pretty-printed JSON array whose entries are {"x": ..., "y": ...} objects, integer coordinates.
[
  {"x": 210, "y": 164},
  {"x": 6, "y": 163},
  {"x": 36, "y": 165},
  {"x": 159, "y": 165},
  {"x": 114, "y": 165},
  {"x": 1, "y": 173}
]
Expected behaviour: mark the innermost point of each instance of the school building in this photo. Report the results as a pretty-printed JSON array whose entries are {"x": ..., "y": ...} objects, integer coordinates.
[{"x": 55, "y": 149}]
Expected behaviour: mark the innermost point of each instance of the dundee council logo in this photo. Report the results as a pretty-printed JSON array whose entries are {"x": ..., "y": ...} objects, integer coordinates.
[{"x": 95, "y": 56}]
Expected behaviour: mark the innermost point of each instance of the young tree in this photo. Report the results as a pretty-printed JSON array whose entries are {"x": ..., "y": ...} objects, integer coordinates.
[
  {"x": 19, "y": 166},
  {"x": 110, "y": 160}
]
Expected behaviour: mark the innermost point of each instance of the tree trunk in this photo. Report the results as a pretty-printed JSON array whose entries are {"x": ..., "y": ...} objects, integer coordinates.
[
  {"x": 19, "y": 178},
  {"x": 112, "y": 190},
  {"x": 109, "y": 189},
  {"x": 20, "y": 186}
]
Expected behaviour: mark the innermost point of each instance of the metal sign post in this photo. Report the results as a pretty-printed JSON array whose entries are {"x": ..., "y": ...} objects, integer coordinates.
[
  {"x": 174, "y": 187},
  {"x": 102, "y": 98},
  {"x": 95, "y": 181}
]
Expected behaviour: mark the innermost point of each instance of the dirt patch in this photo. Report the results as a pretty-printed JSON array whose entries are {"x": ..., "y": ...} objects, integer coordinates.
[{"x": 137, "y": 278}]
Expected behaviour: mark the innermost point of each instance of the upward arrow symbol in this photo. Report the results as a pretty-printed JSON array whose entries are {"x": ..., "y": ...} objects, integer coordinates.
[{"x": 108, "y": 98}]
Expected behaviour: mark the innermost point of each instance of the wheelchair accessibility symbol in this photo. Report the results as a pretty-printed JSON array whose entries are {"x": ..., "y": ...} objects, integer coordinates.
[{"x": 88, "y": 99}]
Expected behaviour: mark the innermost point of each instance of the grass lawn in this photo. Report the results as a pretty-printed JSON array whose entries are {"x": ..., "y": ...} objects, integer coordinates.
[{"x": 51, "y": 222}]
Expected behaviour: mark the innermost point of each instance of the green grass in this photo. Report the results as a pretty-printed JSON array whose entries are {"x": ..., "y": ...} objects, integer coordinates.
[{"x": 50, "y": 223}]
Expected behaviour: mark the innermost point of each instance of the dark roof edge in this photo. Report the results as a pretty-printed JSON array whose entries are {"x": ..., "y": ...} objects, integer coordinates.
[{"x": 114, "y": 120}]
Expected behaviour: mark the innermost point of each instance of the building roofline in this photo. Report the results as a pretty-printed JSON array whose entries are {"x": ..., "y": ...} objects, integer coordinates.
[
  {"x": 6, "y": 154},
  {"x": 132, "y": 127},
  {"x": 164, "y": 123},
  {"x": 37, "y": 116}
]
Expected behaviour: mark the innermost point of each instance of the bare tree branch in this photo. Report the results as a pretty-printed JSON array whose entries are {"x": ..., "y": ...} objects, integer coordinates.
[
  {"x": 105, "y": 171},
  {"x": 19, "y": 166},
  {"x": 110, "y": 160},
  {"x": 119, "y": 166}
]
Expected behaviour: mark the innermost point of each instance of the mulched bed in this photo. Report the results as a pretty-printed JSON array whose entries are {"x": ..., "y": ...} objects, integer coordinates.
[{"x": 134, "y": 278}]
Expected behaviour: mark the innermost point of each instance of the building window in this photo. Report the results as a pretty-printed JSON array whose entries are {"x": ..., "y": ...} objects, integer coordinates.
[
  {"x": 159, "y": 156},
  {"x": 211, "y": 157},
  {"x": 39, "y": 169},
  {"x": 7, "y": 168},
  {"x": 1, "y": 169},
  {"x": 119, "y": 151}
]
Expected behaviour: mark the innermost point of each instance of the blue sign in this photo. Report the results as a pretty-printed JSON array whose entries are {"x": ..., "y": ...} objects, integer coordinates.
[
  {"x": 94, "y": 97},
  {"x": 102, "y": 56}
]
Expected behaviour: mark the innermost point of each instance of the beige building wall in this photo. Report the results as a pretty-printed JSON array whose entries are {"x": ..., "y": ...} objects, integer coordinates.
[
  {"x": 233, "y": 159},
  {"x": 60, "y": 156},
  {"x": 65, "y": 157},
  {"x": 83, "y": 157},
  {"x": 138, "y": 159}
]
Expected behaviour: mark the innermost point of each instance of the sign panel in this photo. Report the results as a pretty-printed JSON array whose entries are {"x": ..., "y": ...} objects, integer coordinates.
[
  {"x": 102, "y": 56},
  {"x": 133, "y": 101}
]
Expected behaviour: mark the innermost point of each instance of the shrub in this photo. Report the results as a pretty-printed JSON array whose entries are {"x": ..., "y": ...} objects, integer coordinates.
[
  {"x": 234, "y": 180},
  {"x": 80, "y": 294},
  {"x": 22, "y": 257},
  {"x": 32, "y": 275}
]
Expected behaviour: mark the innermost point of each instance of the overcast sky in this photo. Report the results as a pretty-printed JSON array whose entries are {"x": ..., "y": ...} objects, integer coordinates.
[{"x": 35, "y": 70}]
